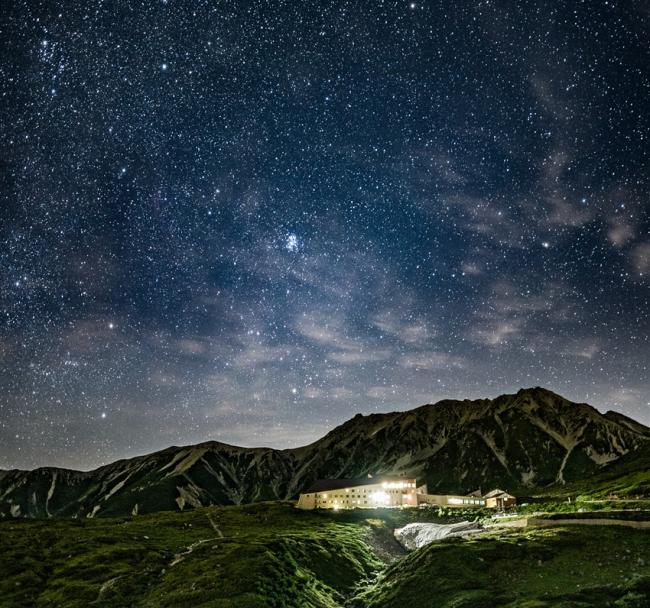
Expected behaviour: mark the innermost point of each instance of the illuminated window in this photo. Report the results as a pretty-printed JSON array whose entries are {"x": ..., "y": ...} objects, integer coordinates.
[{"x": 380, "y": 498}]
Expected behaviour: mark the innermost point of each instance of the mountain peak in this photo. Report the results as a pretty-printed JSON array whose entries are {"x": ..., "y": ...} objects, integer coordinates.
[
  {"x": 538, "y": 391},
  {"x": 531, "y": 439}
]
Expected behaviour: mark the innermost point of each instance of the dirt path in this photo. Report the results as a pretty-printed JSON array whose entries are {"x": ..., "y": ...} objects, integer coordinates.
[
  {"x": 215, "y": 527},
  {"x": 539, "y": 522},
  {"x": 179, "y": 557}
]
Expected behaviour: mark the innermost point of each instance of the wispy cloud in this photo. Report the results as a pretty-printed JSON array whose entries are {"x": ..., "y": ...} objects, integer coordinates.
[
  {"x": 640, "y": 256},
  {"x": 511, "y": 314},
  {"x": 408, "y": 330},
  {"x": 359, "y": 356},
  {"x": 259, "y": 354},
  {"x": 325, "y": 330},
  {"x": 431, "y": 360},
  {"x": 620, "y": 231}
]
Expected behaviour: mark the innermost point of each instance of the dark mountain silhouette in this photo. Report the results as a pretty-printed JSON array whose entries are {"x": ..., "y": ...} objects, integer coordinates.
[{"x": 528, "y": 440}]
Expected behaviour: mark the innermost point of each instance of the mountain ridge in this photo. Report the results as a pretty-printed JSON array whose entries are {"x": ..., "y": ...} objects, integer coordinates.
[
  {"x": 424, "y": 406},
  {"x": 531, "y": 439}
]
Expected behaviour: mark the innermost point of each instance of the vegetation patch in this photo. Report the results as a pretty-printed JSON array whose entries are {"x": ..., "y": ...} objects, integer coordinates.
[
  {"x": 273, "y": 555},
  {"x": 533, "y": 568},
  {"x": 246, "y": 557}
]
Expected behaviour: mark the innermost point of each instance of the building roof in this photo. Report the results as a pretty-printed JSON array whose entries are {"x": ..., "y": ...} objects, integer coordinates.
[
  {"x": 495, "y": 493},
  {"x": 326, "y": 485}
]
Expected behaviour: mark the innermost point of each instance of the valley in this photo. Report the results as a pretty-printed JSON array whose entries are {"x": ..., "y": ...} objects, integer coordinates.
[
  {"x": 273, "y": 555},
  {"x": 216, "y": 526}
]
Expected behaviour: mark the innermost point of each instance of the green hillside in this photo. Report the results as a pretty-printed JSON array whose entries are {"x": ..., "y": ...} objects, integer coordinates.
[
  {"x": 571, "y": 567},
  {"x": 243, "y": 557},
  {"x": 262, "y": 555},
  {"x": 626, "y": 478},
  {"x": 272, "y": 555}
]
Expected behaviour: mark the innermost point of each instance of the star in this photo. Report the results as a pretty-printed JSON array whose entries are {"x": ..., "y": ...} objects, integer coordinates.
[
  {"x": 207, "y": 209},
  {"x": 292, "y": 243}
]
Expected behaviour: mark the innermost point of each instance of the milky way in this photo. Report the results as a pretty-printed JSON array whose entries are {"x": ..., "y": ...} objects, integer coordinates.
[{"x": 248, "y": 221}]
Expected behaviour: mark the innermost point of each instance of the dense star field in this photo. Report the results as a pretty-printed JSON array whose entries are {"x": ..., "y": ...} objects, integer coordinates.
[{"x": 247, "y": 221}]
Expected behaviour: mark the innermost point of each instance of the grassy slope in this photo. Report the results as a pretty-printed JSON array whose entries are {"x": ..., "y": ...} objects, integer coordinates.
[
  {"x": 628, "y": 477},
  {"x": 266, "y": 554},
  {"x": 271, "y": 555},
  {"x": 564, "y": 567}
]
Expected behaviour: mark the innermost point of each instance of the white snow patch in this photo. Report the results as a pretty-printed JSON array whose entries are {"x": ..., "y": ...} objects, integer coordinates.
[
  {"x": 116, "y": 487},
  {"x": 175, "y": 459},
  {"x": 605, "y": 458},
  {"x": 50, "y": 493},
  {"x": 188, "y": 495},
  {"x": 488, "y": 438},
  {"x": 188, "y": 459},
  {"x": 414, "y": 536},
  {"x": 527, "y": 477}
]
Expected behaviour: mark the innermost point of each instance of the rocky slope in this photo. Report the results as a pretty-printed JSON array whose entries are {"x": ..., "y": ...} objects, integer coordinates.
[{"x": 532, "y": 439}]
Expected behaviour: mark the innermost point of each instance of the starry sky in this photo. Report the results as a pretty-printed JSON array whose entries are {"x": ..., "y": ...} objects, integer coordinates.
[{"x": 249, "y": 220}]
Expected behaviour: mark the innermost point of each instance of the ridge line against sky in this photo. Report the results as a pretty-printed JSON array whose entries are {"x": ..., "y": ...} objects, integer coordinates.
[
  {"x": 136, "y": 454},
  {"x": 248, "y": 221}
]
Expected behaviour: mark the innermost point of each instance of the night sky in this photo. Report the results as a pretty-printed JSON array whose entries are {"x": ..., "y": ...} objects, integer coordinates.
[{"x": 247, "y": 221}]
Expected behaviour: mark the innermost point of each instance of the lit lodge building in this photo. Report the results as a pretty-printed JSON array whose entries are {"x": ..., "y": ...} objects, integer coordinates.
[{"x": 377, "y": 492}]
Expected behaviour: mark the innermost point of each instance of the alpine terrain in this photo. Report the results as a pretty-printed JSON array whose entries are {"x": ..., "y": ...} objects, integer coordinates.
[{"x": 521, "y": 442}]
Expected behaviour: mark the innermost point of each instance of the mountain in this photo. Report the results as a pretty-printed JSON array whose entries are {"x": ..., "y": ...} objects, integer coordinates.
[{"x": 532, "y": 439}]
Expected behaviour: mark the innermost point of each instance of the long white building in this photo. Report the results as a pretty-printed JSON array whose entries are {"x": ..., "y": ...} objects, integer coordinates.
[
  {"x": 375, "y": 492},
  {"x": 360, "y": 493}
]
